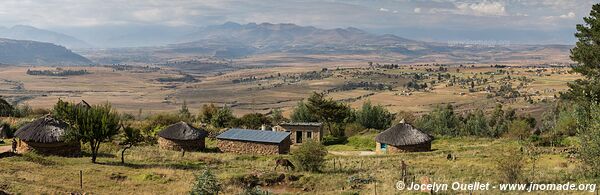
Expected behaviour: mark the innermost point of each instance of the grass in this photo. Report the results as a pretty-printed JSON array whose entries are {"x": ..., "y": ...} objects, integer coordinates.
[{"x": 150, "y": 170}]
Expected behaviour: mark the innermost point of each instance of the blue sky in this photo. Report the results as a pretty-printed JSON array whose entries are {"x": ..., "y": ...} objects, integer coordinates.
[{"x": 518, "y": 21}]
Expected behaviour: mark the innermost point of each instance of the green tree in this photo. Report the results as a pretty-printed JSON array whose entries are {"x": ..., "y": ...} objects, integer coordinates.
[
  {"x": 222, "y": 118},
  {"x": 131, "y": 136},
  {"x": 302, "y": 114},
  {"x": 329, "y": 112},
  {"x": 519, "y": 129},
  {"x": 184, "y": 112},
  {"x": 206, "y": 184},
  {"x": 587, "y": 55},
  {"x": 251, "y": 121},
  {"x": 441, "y": 121},
  {"x": 375, "y": 117},
  {"x": 476, "y": 124},
  {"x": 92, "y": 125},
  {"x": 207, "y": 112},
  {"x": 310, "y": 156},
  {"x": 277, "y": 116}
]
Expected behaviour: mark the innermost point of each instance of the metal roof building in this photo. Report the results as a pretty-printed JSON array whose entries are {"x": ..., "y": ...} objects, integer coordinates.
[{"x": 246, "y": 141}]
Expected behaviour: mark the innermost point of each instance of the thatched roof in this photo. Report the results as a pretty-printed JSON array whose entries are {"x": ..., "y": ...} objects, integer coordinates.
[
  {"x": 182, "y": 131},
  {"x": 403, "y": 134},
  {"x": 43, "y": 130}
]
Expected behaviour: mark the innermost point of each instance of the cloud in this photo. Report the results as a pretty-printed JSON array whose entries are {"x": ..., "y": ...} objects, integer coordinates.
[
  {"x": 482, "y": 8},
  {"x": 417, "y": 10},
  {"x": 567, "y": 16},
  {"x": 383, "y": 10}
]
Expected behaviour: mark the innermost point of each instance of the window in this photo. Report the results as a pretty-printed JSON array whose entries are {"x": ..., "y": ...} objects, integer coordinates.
[
  {"x": 298, "y": 137},
  {"x": 309, "y": 135}
]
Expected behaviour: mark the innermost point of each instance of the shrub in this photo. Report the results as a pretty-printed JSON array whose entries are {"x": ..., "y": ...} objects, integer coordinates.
[
  {"x": 362, "y": 142},
  {"x": 510, "y": 166},
  {"x": 310, "y": 156},
  {"x": 206, "y": 183},
  {"x": 518, "y": 129},
  {"x": 255, "y": 191},
  {"x": 330, "y": 140},
  {"x": 590, "y": 142}
]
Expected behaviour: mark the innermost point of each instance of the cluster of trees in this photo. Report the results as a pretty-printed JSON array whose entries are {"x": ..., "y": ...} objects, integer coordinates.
[
  {"x": 443, "y": 120},
  {"x": 336, "y": 115},
  {"x": 57, "y": 72}
]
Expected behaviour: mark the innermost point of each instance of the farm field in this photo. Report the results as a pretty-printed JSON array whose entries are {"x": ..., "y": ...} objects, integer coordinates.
[{"x": 150, "y": 170}]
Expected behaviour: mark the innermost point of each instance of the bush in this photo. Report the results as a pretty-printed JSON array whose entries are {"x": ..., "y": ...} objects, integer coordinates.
[
  {"x": 510, "y": 166},
  {"x": 590, "y": 142},
  {"x": 362, "y": 142},
  {"x": 330, "y": 140},
  {"x": 206, "y": 183},
  {"x": 310, "y": 156}
]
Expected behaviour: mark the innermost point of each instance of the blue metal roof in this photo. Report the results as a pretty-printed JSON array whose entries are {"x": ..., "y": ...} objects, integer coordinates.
[{"x": 254, "y": 135}]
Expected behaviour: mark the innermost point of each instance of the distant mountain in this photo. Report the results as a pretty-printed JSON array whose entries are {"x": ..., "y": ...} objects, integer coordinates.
[
  {"x": 21, "y": 32},
  {"x": 233, "y": 39},
  {"x": 17, "y": 52}
]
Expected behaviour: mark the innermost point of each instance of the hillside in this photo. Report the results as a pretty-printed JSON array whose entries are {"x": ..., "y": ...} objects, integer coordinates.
[
  {"x": 37, "y": 53},
  {"x": 21, "y": 32}
]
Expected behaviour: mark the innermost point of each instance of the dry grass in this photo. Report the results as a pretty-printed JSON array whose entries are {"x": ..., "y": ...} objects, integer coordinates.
[{"x": 153, "y": 171}]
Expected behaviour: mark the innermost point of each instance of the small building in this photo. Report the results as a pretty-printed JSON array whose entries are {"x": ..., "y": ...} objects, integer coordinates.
[
  {"x": 180, "y": 136},
  {"x": 46, "y": 135},
  {"x": 245, "y": 141},
  {"x": 402, "y": 137},
  {"x": 301, "y": 132}
]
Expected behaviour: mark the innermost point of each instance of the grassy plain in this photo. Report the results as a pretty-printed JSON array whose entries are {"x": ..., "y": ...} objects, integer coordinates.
[
  {"x": 282, "y": 87},
  {"x": 150, "y": 170}
]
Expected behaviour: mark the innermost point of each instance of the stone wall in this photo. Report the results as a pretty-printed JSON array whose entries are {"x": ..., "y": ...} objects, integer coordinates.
[
  {"x": 187, "y": 145},
  {"x": 58, "y": 148},
  {"x": 246, "y": 147},
  {"x": 424, "y": 147}
]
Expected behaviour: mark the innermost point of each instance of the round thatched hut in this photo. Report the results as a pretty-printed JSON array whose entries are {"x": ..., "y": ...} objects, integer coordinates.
[
  {"x": 46, "y": 136},
  {"x": 403, "y": 137},
  {"x": 181, "y": 136}
]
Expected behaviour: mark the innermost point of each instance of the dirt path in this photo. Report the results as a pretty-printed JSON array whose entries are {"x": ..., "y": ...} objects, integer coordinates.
[{"x": 352, "y": 153}]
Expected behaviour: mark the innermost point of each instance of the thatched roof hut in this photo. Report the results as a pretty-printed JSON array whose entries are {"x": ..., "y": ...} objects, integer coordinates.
[
  {"x": 182, "y": 136},
  {"x": 46, "y": 135},
  {"x": 403, "y": 137}
]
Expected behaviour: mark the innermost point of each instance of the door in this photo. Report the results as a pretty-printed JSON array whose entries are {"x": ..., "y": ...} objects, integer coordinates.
[
  {"x": 383, "y": 147},
  {"x": 298, "y": 137}
]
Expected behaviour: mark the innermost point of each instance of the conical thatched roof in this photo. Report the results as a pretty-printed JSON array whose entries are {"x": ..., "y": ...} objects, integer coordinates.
[
  {"x": 403, "y": 134},
  {"x": 43, "y": 130},
  {"x": 182, "y": 131}
]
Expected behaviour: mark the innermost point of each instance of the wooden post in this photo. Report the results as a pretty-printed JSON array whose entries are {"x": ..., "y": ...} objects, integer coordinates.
[
  {"x": 81, "y": 179},
  {"x": 334, "y": 165},
  {"x": 375, "y": 187}
]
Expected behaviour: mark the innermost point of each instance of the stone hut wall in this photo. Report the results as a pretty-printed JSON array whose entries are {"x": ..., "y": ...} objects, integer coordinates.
[
  {"x": 424, "y": 147},
  {"x": 187, "y": 145},
  {"x": 57, "y": 148},
  {"x": 246, "y": 147}
]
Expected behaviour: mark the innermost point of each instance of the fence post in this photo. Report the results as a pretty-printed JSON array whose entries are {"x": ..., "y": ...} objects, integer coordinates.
[{"x": 81, "y": 179}]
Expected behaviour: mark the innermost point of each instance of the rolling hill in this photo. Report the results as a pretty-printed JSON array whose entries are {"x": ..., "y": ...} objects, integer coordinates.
[
  {"x": 22, "y": 32},
  {"x": 18, "y": 52}
]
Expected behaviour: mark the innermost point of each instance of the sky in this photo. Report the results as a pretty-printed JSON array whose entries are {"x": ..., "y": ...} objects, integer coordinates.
[{"x": 516, "y": 21}]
